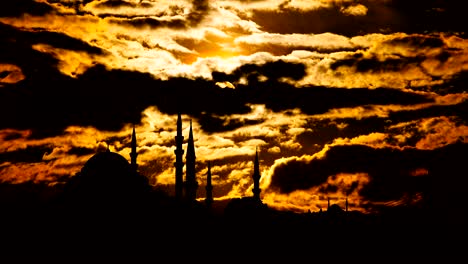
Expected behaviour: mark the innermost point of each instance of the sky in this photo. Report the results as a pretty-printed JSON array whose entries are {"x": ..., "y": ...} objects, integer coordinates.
[{"x": 341, "y": 98}]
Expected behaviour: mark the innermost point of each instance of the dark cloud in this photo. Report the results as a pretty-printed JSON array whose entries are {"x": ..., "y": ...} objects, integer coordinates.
[
  {"x": 397, "y": 62},
  {"x": 456, "y": 110},
  {"x": 48, "y": 101},
  {"x": 375, "y": 65},
  {"x": 60, "y": 40},
  {"x": 390, "y": 171},
  {"x": 220, "y": 124},
  {"x": 417, "y": 41},
  {"x": 4, "y": 74},
  {"x": 12, "y": 136},
  {"x": 197, "y": 13},
  {"x": 71, "y": 3},
  {"x": 324, "y": 131},
  {"x": 382, "y": 16},
  {"x": 17, "y": 49},
  {"x": 456, "y": 84},
  {"x": 29, "y": 154},
  {"x": 116, "y": 4},
  {"x": 81, "y": 151},
  {"x": 318, "y": 100},
  {"x": 272, "y": 70},
  {"x": 152, "y": 22},
  {"x": 102, "y": 98},
  {"x": 18, "y": 8}
]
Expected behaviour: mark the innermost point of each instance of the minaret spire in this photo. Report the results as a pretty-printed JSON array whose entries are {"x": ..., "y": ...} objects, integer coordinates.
[
  {"x": 179, "y": 164},
  {"x": 191, "y": 183},
  {"x": 209, "y": 187},
  {"x": 256, "y": 177},
  {"x": 346, "y": 203},
  {"x": 133, "y": 153}
]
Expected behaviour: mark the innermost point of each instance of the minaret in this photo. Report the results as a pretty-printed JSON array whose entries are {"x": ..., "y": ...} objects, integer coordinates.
[
  {"x": 209, "y": 188},
  {"x": 346, "y": 204},
  {"x": 133, "y": 153},
  {"x": 256, "y": 178},
  {"x": 191, "y": 183},
  {"x": 179, "y": 164}
]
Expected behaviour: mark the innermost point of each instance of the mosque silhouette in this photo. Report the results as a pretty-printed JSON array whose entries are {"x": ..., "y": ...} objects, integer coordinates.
[
  {"x": 110, "y": 190},
  {"x": 108, "y": 179},
  {"x": 108, "y": 183},
  {"x": 109, "y": 203}
]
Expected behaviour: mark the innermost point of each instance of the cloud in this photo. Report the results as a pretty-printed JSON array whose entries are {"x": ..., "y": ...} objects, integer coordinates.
[
  {"x": 224, "y": 41},
  {"x": 179, "y": 17},
  {"x": 148, "y": 22},
  {"x": 20, "y": 7},
  {"x": 439, "y": 132},
  {"x": 104, "y": 93},
  {"x": 391, "y": 172},
  {"x": 283, "y": 44},
  {"x": 381, "y": 16},
  {"x": 10, "y": 74},
  {"x": 453, "y": 87},
  {"x": 355, "y": 10},
  {"x": 115, "y": 4},
  {"x": 420, "y": 60},
  {"x": 27, "y": 155},
  {"x": 30, "y": 50}
]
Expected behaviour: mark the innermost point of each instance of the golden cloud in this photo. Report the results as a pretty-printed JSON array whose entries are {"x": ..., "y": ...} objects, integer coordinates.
[
  {"x": 440, "y": 131},
  {"x": 10, "y": 74},
  {"x": 313, "y": 200},
  {"x": 354, "y": 10}
]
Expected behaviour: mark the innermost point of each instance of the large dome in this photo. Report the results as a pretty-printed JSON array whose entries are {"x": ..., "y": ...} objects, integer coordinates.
[
  {"x": 106, "y": 164},
  {"x": 106, "y": 177}
]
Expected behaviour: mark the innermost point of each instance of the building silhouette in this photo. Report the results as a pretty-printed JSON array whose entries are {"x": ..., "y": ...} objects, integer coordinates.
[
  {"x": 346, "y": 205},
  {"x": 133, "y": 153},
  {"x": 191, "y": 184},
  {"x": 179, "y": 164},
  {"x": 209, "y": 187},
  {"x": 256, "y": 178},
  {"x": 107, "y": 180}
]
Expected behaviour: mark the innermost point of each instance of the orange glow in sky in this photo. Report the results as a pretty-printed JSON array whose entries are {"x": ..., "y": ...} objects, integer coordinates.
[{"x": 321, "y": 88}]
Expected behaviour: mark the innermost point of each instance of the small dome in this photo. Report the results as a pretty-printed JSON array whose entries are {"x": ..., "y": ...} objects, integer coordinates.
[{"x": 335, "y": 209}]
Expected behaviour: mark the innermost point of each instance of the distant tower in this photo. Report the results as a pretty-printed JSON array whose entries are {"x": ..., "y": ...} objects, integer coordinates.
[
  {"x": 191, "y": 183},
  {"x": 209, "y": 187},
  {"x": 133, "y": 153},
  {"x": 346, "y": 204},
  {"x": 328, "y": 207},
  {"x": 179, "y": 164},
  {"x": 256, "y": 178}
]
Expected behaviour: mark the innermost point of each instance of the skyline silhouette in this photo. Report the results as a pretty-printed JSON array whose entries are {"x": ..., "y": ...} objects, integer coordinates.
[
  {"x": 108, "y": 181},
  {"x": 109, "y": 200}
]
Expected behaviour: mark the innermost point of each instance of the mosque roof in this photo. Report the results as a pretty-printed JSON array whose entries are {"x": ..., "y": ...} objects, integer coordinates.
[{"x": 107, "y": 176}]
